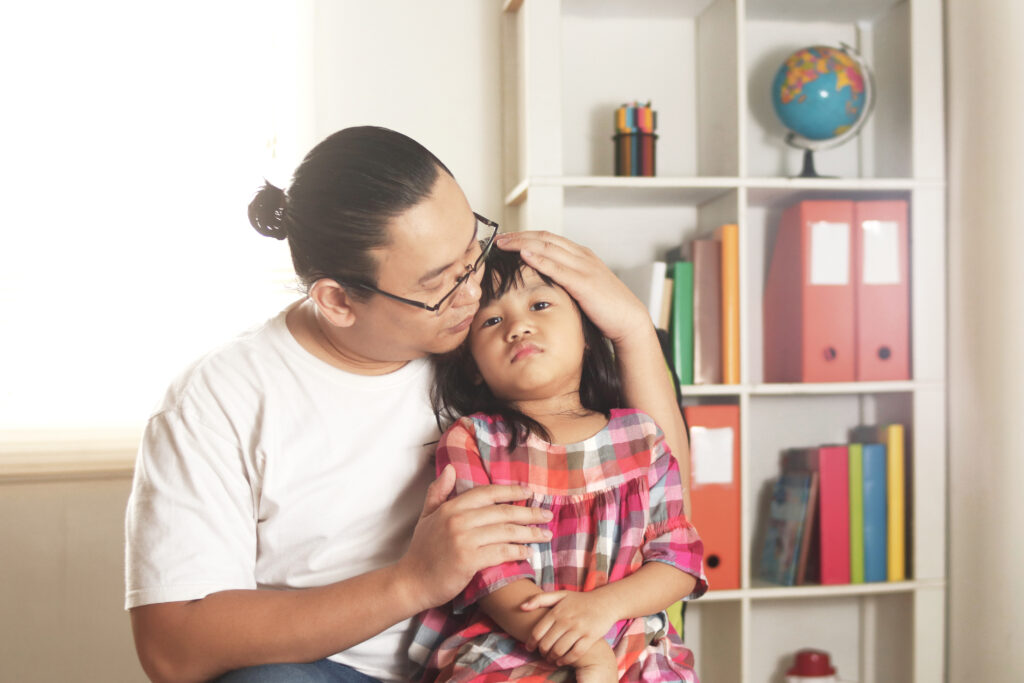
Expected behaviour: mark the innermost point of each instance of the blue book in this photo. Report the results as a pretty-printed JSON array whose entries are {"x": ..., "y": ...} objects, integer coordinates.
[{"x": 875, "y": 513}]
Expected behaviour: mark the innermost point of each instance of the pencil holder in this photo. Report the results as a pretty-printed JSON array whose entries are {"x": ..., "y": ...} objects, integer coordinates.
[{"x": 635, "y": 154}]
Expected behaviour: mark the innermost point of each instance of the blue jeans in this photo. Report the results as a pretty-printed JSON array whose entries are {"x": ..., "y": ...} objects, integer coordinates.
[{"x": 324, "y": 671}]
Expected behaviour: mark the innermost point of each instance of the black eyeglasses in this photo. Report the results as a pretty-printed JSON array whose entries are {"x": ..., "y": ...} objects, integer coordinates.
[{"x": 486, "y": 231}]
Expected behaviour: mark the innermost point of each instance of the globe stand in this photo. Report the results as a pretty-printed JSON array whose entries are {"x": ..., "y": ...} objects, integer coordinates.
[{"x": 808, "y": 170}]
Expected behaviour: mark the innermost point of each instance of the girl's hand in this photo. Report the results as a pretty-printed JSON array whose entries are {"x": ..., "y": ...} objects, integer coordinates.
[
  {"x": 574, "y": 623},
  {"x": 603, "y": 297},
  {"x": 597, "y": 665}
]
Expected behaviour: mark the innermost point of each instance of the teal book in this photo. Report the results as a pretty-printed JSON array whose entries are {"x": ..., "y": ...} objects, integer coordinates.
[
  {"x": 856, "y": 465},
  {"x": 876, "y": 540},
  {"x": 682, "y": 320}
]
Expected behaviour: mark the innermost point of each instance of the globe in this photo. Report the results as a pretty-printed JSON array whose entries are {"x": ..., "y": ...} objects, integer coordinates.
[{"x": 823, "y": 95}]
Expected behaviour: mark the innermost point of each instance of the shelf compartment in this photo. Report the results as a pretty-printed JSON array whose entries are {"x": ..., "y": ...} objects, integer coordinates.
[
  {"x": 625, "y": 234},
  {"x": 869, "y": 637},
  {"x": 679, "y": 55},
  {"x": 880, "y": 31}
]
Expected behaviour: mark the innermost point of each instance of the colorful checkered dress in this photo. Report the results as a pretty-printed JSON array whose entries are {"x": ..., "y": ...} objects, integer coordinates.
[{"x": 617, "y": 503}]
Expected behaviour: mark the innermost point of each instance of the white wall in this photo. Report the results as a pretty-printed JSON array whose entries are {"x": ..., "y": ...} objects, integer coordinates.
[
  {"x": 985, "y": 44},
  {"x": 430, "y": 70}
]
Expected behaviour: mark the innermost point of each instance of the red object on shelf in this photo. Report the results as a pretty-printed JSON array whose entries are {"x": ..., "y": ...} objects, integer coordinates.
[
  {"x": 811, "y": 663},
  {"x": 809, "y": 323}
]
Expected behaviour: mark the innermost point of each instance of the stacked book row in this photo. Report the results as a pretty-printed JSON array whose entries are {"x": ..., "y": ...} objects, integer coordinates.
[
  {"x": 694, "y": 294},
  {"x": 838, "y": 513}
]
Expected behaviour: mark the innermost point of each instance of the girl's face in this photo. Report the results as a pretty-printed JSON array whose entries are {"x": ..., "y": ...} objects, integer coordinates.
[{"x": 528, "y": 345}]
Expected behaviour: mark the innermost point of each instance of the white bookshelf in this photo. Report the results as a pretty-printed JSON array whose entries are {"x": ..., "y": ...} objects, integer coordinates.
[{"x": 706, "y": 66}]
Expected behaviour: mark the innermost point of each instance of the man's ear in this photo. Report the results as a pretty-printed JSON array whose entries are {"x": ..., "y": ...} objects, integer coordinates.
[{"x": 333, "y": 301}]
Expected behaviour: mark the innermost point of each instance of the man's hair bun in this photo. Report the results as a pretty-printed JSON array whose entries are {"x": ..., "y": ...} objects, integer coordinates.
[{"x": 266, "y": 212}]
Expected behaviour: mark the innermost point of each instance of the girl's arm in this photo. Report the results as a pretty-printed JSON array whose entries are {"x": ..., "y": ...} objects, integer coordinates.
[
  {"x": 624, "y": 320},
  {"x": 572, "y": 622},
  {"x": 504, "y": 607}
]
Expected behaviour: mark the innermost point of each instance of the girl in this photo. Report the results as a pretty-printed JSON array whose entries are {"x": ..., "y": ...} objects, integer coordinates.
[{"x": 538, "y": 386}]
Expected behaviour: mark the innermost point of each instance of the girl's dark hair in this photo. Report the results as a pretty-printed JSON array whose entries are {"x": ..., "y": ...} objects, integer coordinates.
[
  {"x": 458, "y": 389},
  {"x": 340, "y": 200}
]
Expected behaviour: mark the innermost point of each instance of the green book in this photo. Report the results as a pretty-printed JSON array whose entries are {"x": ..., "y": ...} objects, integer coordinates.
[
  {"x": 682, "y": 320},
  {"x": 856, "y": 463}
]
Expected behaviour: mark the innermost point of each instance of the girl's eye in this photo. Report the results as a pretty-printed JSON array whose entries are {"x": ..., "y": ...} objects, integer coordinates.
[
  {"x": 493, "y": 320},
  {"x": 540, "y": 306}
]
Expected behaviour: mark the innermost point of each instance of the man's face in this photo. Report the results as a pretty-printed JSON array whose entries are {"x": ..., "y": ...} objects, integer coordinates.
[{"x": 431, "y": 245}]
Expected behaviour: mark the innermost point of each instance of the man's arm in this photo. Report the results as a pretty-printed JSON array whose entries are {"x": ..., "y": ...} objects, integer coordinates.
[
  {"x": 199, "y": 639},
  {"x": 624, "y": 320}
]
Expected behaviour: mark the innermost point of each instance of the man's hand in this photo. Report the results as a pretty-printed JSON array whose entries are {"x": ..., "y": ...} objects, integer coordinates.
[
  {"x": 454, "y": 539},
  {"x": 603, "y": 297},
  {"x": 574, "y": 623}
]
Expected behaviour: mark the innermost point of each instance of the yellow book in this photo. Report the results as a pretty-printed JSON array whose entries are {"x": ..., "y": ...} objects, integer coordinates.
[
  {"x": 893, "y": 438},
  {"x": 729, "y": 235}
]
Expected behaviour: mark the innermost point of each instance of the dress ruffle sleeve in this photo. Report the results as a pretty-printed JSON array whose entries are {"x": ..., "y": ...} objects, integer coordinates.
[{"x": 670, "y": 537}]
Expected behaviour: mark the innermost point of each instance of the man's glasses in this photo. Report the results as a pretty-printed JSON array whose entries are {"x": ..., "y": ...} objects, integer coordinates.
[{"x": 486, "y": 231}]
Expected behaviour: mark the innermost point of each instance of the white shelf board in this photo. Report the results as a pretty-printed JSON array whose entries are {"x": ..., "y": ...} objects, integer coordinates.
[
  {"x": 774, "y": 191},
  {"x": 767, "y": 591},
  {"x": 811, "y": 388},
  {"x": 711, "y": 389},
  {"x": 695, "y": 190},
  {"x": 621, "y": 190},
  {"x": 808, "y": 388},
  {"x": 762, "y": 590},
  {"x": 720, "y": 596}
]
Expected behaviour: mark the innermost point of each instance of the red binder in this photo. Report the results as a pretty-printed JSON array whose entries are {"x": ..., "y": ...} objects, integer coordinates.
[
  {"x": 882, "y": 274},
  {"x": 809, "y": 296},
  {"x": 715, "y": 489},
  {"x": 832, "y": 526}
]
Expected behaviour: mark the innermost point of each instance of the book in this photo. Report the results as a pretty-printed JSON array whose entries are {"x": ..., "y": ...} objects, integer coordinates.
[
  {"x": 875, "y": 513},
  {"x": 856, "y": 465},
  {"x": 681, "y": 325},
  {"x": 707, "y": 312},
  {"x": 832, "y": 530},
  {"x": 806, "y": 564},
  {"x": 665, "y": 316},
  {"x": 787, "y": 520},
  {"x": 729, "y": 237},
  {"x": 892, "y": 436}
]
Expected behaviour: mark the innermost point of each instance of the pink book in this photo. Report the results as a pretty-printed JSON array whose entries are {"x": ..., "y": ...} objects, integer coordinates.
[{"x": 833, "y": 514}]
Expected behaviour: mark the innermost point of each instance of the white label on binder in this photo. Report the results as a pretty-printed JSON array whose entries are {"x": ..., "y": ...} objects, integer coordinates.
[
  {"x": 881, "y": 252},
  {"x": 711, "y": 451},
  {"x": 830, "y": 253}
]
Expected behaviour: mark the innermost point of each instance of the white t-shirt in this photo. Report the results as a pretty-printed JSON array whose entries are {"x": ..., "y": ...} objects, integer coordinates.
[{"x": 265, "y": 467}]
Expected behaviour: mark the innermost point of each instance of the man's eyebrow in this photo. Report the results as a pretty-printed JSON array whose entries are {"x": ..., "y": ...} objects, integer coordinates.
[{"x": 430, "y": 275}]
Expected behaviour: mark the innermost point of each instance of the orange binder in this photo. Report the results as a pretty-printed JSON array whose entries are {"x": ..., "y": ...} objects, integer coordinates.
[
  {"x": 882, "y": 276},
  {"x": 809, "y": 296},
  {"x": 715, "y": 489}
]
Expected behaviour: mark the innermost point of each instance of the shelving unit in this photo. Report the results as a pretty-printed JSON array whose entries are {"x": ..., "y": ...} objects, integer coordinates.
[{"x": 706, "y": 65}]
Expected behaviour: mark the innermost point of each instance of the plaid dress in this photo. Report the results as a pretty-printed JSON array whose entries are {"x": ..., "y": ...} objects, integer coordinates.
[{"x": 617, "y": 503}]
